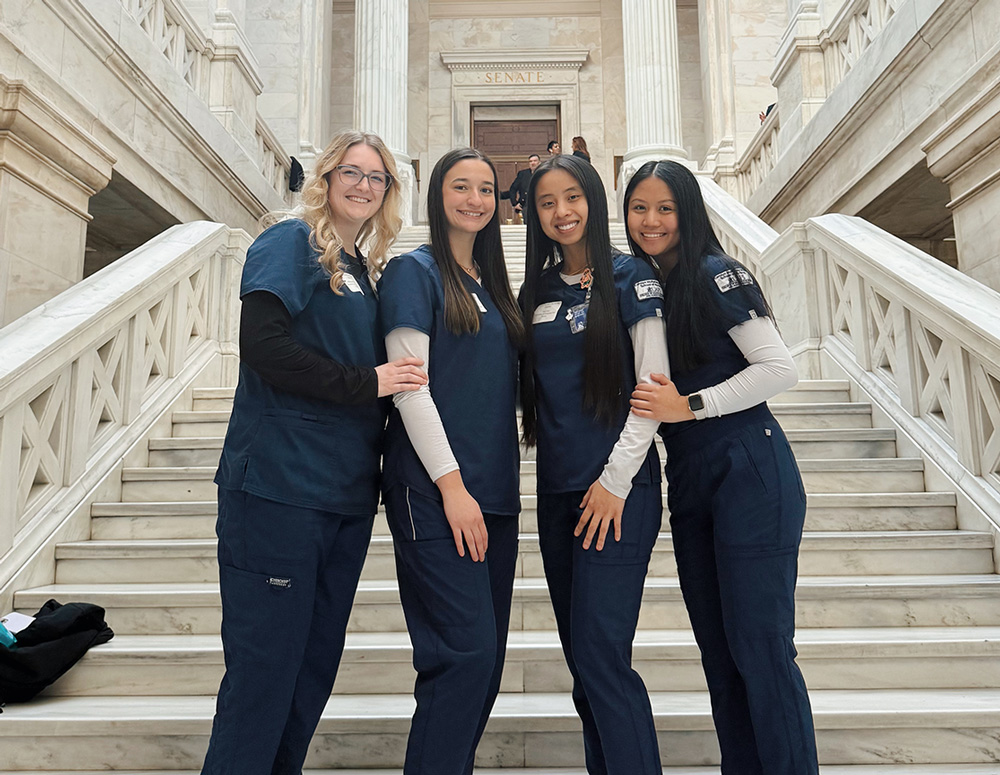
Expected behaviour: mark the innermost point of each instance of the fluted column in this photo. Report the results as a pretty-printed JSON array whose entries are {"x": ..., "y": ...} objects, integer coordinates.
[
  {"x": 652, "y": 82},
  {"x": 380, "y": 82}
]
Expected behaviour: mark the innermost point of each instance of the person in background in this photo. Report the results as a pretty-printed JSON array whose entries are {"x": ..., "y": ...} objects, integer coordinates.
[
  {"x": 580, "y": 148},
  {"x": 519, "y": 188},
  {"x": 553, "y": 148}
]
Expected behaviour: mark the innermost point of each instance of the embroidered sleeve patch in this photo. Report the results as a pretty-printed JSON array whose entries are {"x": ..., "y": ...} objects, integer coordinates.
[
  {"x": 648, "y": 289},
  {"x": 733, "y": 278}
]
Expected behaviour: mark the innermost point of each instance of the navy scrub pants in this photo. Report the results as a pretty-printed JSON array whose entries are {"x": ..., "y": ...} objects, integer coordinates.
[
  {"x": 457, "y": 613},
  {"x": 736, "y": 512},
  {"x": 596, "y": 596},
  {"x": 288, "y": 577}
]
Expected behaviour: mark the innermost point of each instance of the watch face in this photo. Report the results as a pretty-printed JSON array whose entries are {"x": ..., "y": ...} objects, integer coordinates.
[{"x": 695, "y": 404}]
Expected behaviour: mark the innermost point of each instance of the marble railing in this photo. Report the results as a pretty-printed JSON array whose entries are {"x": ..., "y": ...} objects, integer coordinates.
[
  {"x": 928, "y": 334},
  {"x": 919, "y": 338},
  {"x": 850, "y": 33},
  {"x": 176, "y": 34},
  {"x": 275, "y": 164},
  {"x": 84, "y": 376},
  {"x": 760, "y": 156}
]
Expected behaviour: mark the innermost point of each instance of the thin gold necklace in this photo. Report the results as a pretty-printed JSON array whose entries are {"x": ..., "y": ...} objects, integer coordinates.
[{"x": 472, "y": 271}]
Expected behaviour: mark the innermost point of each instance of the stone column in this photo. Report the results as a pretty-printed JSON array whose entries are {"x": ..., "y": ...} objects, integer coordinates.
[
  {"x": 652, "y": 82},
  {"x": 380, "y": 82}
]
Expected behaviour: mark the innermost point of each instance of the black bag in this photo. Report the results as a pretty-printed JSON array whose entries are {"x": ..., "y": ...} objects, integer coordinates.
[{"x": 50, "y": 646}]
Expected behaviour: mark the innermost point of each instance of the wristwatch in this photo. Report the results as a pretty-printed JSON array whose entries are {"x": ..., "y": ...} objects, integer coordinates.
[{"x": 697, "y": 406}]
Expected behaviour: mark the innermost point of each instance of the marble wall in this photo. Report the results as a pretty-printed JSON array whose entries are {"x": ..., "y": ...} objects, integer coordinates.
[
  {"x": 755, "y": 27},
  {"x": 181, "y": 128}
]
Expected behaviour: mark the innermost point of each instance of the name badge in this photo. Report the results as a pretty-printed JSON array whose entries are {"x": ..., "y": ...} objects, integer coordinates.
[
  {"x": 351, "y": 282},
  {"x": 479, "y": 304},
  {"x": 577, "y": 317},
  {"x": 546, "y": 313}
]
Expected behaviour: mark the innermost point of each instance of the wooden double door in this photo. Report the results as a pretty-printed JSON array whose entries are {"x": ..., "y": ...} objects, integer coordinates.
[{"x": 509, "y": 144}]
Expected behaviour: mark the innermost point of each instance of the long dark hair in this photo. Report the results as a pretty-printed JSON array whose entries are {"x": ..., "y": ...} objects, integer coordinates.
[
  {"x": 460, "y": 313},
  {"x": 689, "y": 303},
  {"x": 602, "y": 370}
]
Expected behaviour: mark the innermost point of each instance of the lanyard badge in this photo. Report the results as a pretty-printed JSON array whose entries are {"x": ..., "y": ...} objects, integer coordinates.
[{"x": 577, "y": 315}]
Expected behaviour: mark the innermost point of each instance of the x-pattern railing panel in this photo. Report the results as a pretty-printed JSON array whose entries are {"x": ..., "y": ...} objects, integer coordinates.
[
  {"x": 882, "y": 314},
  {"x": 109, "y": 380},
  {"x": 986, "y": 414},
  {"x": 154, "y": 323},
  {"x": 194, "y": 300},
  {"x": 43, "y": 442},
  {"x": 842, "y": 302},
  {"x": 935, "y": 355}
]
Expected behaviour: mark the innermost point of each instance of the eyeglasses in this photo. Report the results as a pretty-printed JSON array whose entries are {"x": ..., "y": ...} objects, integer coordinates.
[{"x": 351, "y": 176}]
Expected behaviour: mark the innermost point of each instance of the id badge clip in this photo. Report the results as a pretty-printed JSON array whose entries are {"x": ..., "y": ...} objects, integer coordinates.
[{"x": 577, "y": 317}]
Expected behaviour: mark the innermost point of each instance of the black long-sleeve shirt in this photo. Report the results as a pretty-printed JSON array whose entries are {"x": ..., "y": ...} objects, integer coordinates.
[{"x": 267, "y": 347}]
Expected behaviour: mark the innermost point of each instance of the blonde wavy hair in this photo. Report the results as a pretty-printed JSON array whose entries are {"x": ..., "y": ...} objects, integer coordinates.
[{"x": 378, "y": 232}]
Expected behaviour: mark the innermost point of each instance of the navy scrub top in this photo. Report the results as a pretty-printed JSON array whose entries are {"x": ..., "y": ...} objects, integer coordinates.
[
  {"x": 472, "y": 379},
  {"x": 738, "y": 299},
  {"x": 573, "y": 445},
  {"x": 293, "y": 449}
]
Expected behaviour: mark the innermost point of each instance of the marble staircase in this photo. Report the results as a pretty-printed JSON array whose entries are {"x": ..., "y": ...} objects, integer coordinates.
[
  {"x": 898, "y": 611},
  {"x": 899, "y": 625}
]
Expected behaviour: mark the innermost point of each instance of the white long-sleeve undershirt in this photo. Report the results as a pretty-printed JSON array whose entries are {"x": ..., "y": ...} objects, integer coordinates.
[
  {"x": 417, "y": 408},
  {"x": 649, "y": 342},
  {"x": 430, "y": 441},
  {"x": 771, "y": 370}
]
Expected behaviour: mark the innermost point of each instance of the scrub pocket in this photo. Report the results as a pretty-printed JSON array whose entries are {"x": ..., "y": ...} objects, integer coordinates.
[{"x": 452, "y": 590}]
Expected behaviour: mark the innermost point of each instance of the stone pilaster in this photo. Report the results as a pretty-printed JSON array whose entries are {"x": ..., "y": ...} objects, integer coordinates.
[
  {"x": 965, "y": 154},
  {"x": 380, "y": 82},
  {"x": 49, "y": 169},
  {"x": 235, "y": 76},
  {"x": 799, "y": 72}
]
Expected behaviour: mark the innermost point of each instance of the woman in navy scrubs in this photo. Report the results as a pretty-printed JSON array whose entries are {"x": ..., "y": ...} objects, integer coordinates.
[
  {"x": 595, "y": 327},
  {"x": 451, "y": 460},
  {"x": 298, "y": 479},
  {"x": 735, "y": 494}
]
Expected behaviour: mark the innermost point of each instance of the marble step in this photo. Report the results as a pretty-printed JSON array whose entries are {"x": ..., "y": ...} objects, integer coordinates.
[
  {"x": 162, "y": 483},
  {"x": 822, "y": 554},
  {"x": 829, "y": 769},
  {"x": 821, "y": 601},
  {"x": 807, "y": 391},
  {"x": 212, "y": 398},
  {"x": 823, "y": 415},
  {"x": 668, "y": 660},
  {"x": 533, "y": 730},
  {"x": 806, "y": 443},
  {"x": 825, "y": 511},
  {"x": 819, "y": 415},
  {"x": 815, "y": 391}
]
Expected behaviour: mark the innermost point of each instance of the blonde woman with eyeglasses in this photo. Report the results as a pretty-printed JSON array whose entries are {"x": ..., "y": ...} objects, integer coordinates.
[{"x": 298, "y": 479}]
